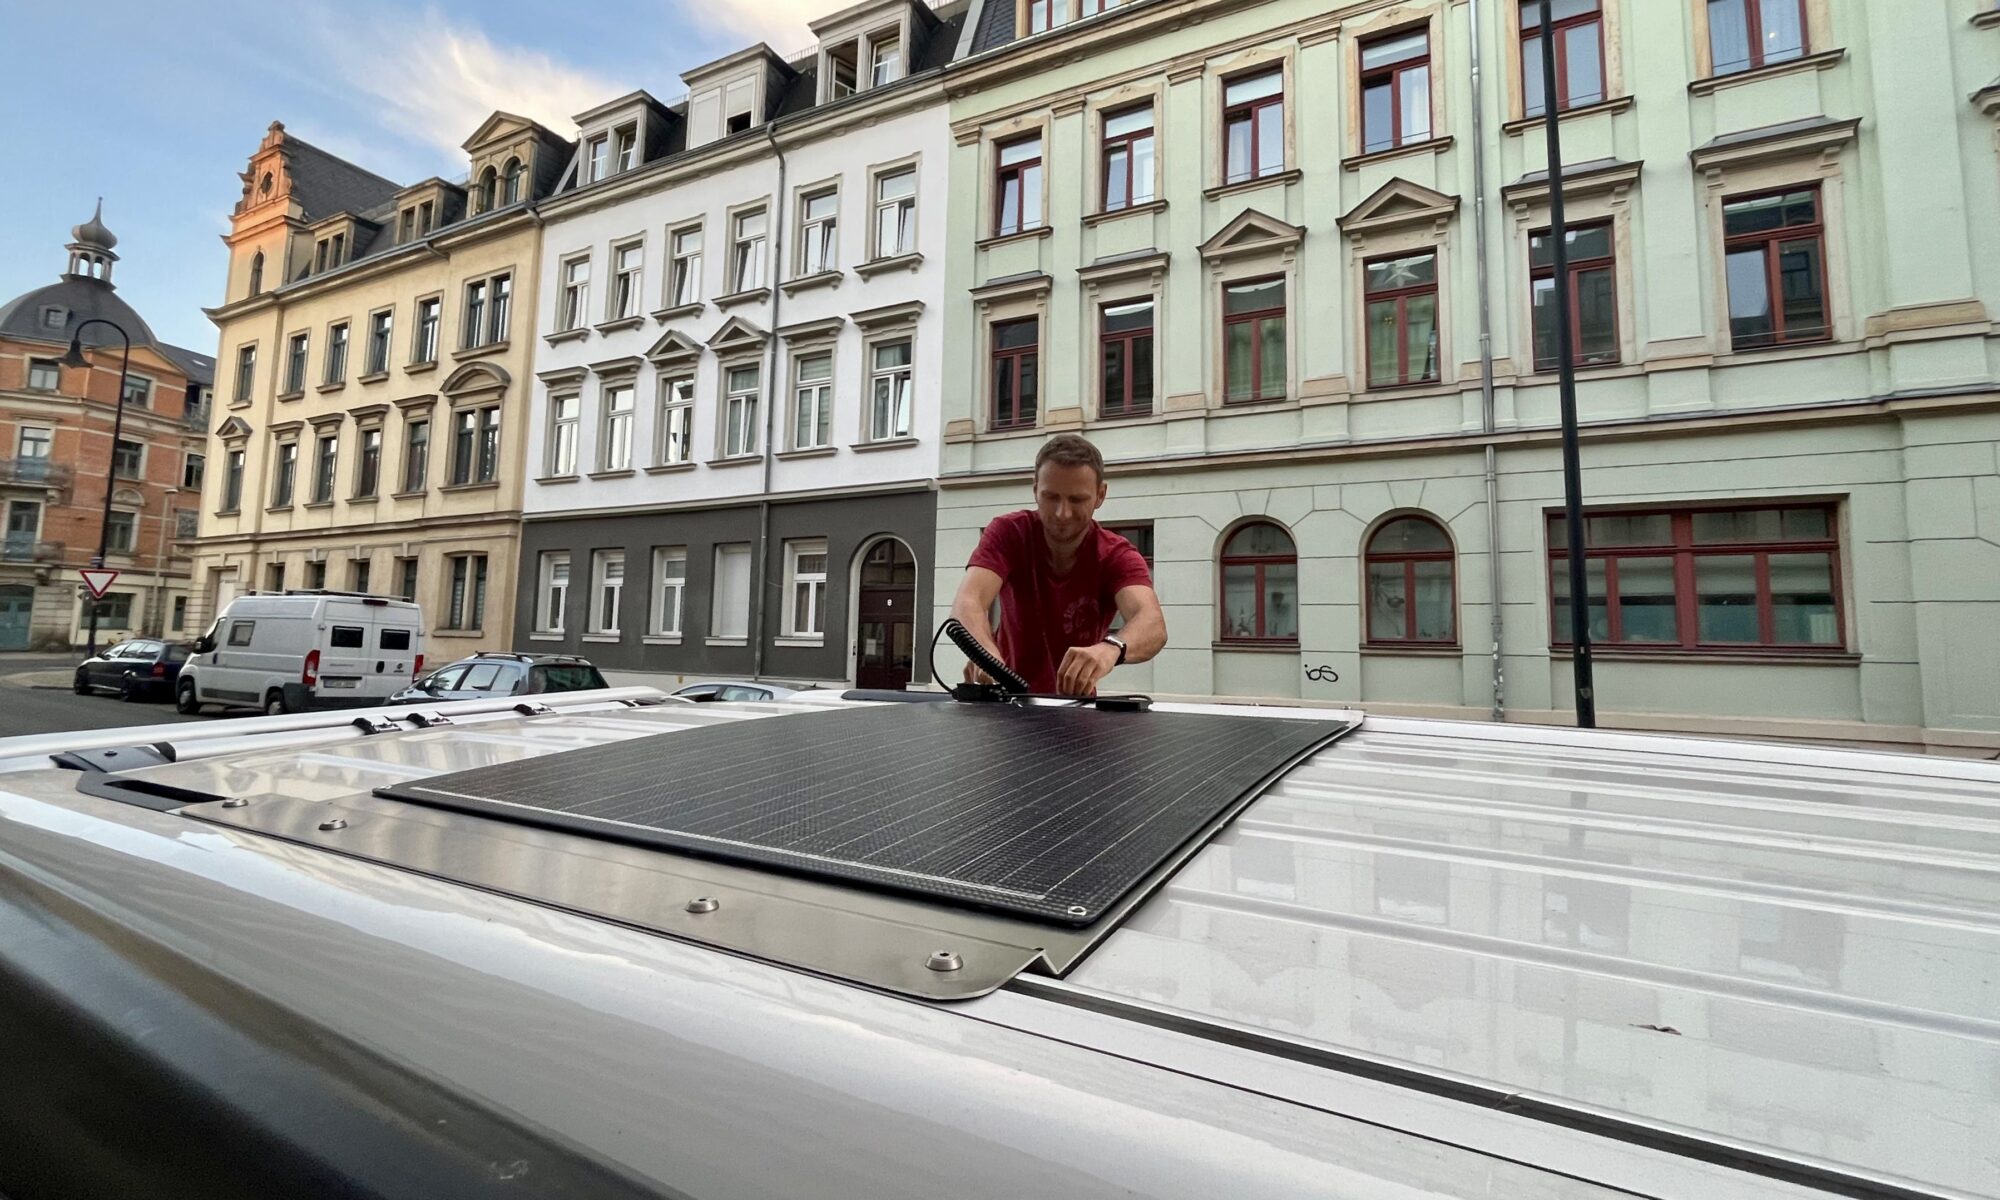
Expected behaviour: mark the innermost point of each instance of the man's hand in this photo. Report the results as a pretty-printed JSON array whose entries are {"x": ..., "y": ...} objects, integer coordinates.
[
  {"x": 974, "y": 675},
  {"x": 1083, "y": 666}
]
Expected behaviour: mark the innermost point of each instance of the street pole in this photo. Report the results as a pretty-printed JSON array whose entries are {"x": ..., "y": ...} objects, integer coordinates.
[
  {"x": 75, "y": 358},
  {"x": 1579, "y": 598}
]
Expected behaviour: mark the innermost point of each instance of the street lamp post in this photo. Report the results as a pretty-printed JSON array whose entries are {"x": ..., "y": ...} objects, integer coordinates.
[{"x": 75, "y": 358}]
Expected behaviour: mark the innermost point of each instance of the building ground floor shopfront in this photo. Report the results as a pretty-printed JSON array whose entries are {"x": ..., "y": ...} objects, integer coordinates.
[
  {"x": 673, "y": 595},
  {"x": 461, "y": 571},
  {"x": 1830, "y": 574}
]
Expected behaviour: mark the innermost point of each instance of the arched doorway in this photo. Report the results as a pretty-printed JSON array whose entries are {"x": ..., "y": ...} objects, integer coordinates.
[
  {"x": 886, "y": 610},
  {"x": 17, "y": 615}
]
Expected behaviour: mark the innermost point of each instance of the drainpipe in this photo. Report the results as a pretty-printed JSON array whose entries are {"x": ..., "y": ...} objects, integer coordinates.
[
  {"x": 1486, "y": 406},
  {"x": 760, "y": 565}
]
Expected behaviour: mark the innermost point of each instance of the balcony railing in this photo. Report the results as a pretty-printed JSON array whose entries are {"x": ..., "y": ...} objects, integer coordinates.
[
  {"x": 34, "y": 471},
  {"x": 25, "y": 548}
]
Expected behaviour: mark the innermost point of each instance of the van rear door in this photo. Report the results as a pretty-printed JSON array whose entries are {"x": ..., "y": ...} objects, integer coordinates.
[
  {"x": 345, "y": 648},
  {"x": 396, "y": 643}
]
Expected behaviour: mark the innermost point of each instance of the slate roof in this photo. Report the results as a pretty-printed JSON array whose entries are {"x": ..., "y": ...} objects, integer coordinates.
[
  {"x": 83, "y": 298},
  {"x": 325, "y": 184},
  {"x": 995, "y": 28}
]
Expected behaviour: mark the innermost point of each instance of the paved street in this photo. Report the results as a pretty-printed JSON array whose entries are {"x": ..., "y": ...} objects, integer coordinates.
[{"x": 35, "y": 698}]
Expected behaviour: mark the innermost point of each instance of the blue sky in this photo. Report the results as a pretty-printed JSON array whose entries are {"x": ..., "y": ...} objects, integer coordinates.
[{"x": 157, "y": 106}]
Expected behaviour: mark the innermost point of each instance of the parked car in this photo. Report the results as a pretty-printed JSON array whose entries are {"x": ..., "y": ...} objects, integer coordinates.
[
  {"x": 727, "y": 689},
  {"x": 139, "y": 669},
  {"x": 303, "y": 650},
  {"x": 497, "y": 673}
]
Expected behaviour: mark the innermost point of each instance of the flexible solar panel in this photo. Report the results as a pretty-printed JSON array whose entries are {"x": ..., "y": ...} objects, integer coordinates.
[{"x": 1051, "y": 813}]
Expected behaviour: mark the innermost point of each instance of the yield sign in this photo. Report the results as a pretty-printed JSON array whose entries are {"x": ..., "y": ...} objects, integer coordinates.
[{"x": 98, "y": 580}]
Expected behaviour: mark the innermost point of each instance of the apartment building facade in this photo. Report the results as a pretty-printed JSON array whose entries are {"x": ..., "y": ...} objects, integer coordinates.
[
  {"x": 377, "y": 345},
  {"x": 1285, "y": 263},
  {"x": 735, "y": 430}
]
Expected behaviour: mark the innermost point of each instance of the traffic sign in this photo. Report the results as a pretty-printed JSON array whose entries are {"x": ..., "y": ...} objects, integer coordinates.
[{"x": 98, "y": 580}]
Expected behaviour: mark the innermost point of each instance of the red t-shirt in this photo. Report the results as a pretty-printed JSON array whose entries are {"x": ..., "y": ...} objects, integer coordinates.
[{"x": 1043, "y": 614}]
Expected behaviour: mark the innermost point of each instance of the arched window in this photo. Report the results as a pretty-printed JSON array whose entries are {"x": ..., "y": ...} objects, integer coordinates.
[
  {"x": 264, "y": 188},
  {"x": 1260, "y": 585},
  {"x": 511, "y": 190},
  {"x": 257, "y": 274},
  {"x": 1412, "y": 597},
  {"x": 486, "y": 184}
]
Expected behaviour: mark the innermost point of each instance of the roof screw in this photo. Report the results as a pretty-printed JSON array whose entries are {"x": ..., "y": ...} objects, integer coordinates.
[
  {"x": 944, "y": 960},
  {"x": 235, "y": 802},
  {"x": 330, "y": 826},
  {"x": 703, "y": 904},
  {"x": 1078, "y": 910}
]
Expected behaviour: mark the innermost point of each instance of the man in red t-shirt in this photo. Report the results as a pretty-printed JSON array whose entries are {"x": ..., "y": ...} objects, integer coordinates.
[{"x": 1060, "y": 579}]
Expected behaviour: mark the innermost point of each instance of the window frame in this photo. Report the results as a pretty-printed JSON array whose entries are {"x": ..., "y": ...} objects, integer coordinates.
[
  {"x": 246, "y": 372},
  {"x": 748, "y": 400},
  {"x": 368, "y": 445},
  {"x": 560, "y": 454},
  {"x": 624, "y": 298},
  {"x": 113, "y": 542},
  {"x": 1559, "y": 32},
  {"x": 1368, "y": 77},
  {"x": 1753, "y": 24},
  {"x": 658, "y": 624},
  {"x": 731, "y": 551},
  {"x": 1607, "y": 261},
  {"x": 1129, "y": 341},
  {"x": 877, "y": 374},
  {"x": 1109, "y": 143},
  {"x": 430, "y": 320},
  {"x": 674, "y": 402},
  {"x": 284, "y": 473},
  {"x": 194, "y": 470},
  {"x": 551, "y": 597},
  {"x": 1408, "y": 559},
  {"x": 747, "y": 268},
  {"x": 1014, "y": 357},
  {"x": 381, "y": 341},
  {"x": 890, "y": 41},
  {"x": 573, "y": 293},
  {"x": 298, "y": 357},
  {"x": 1224, "y": 560},
  {"x": 1251, "y": 111},
  {"x": 1770, "y": 240},
  {"x": 821, "y": 400},
  {"x": 795, "y": 550},
  {"x": 615, "y": 426},
  {"x": 143, "y": 385},
  {"x": 137, "y": 459},
  {"x": 826, "y": 228},
  {"x": 234, "y": 468},
  {"x": 1015, "y": 177},
  {"x": 906, "y": 221},
  {"x": 50, "y": 370},
  {"x": 326, "y": 466},
  {"x": 334, "y": 371},
  {"x": 602, "y": 588},
  {"x": 466, "y": 579},
  {"x": 1255, "y": 318},
  {"x": 416, "y": 454},
  {"x": 684, "y": 269},
  {"x": 1402, "y": 296}
]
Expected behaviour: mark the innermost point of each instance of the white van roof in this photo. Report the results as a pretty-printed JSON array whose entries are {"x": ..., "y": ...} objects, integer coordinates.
[{"x": 292, "y": 603}]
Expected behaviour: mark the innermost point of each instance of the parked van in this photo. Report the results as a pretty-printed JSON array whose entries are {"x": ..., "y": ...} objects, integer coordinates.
[{"x": 302, "y": 650}]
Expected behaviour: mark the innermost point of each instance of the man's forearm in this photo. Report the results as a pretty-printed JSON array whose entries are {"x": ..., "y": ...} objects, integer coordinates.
[
  {"x": 1145, "y": 635},
  {"x": 976, "y": 621}
]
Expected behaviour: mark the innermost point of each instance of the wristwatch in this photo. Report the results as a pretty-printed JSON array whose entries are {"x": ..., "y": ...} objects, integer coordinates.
[{"x": 1119, "y": 642}]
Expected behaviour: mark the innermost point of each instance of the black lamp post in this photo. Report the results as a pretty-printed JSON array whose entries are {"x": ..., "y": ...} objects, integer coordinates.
[{"x": 75, "y": 358}]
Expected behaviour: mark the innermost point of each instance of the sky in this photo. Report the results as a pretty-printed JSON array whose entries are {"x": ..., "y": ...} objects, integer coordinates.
[{"x": 156, "y": 105}]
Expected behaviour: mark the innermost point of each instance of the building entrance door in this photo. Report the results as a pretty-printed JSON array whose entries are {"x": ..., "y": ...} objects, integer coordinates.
[
  {"x": 885, "y": 651},
  {"x": 17, "y": 613}
]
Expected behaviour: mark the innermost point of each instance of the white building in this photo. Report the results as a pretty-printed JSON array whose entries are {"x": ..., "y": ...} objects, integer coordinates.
[{"x": 735, "y": 441}]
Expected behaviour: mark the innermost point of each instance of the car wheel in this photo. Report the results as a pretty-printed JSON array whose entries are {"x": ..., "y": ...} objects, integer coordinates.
[
  {"x": 128, "y": 690},
  {"x": 81, "y": 684},
  {"x": 185, "y": 701},
  {"x": 274, "y": 703}
]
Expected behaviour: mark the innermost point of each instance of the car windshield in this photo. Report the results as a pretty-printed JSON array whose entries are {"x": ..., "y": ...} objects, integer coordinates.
[{"x": 568, "y": 677}]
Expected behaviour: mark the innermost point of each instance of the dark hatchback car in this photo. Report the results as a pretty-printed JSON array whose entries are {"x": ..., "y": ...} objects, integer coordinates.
[
  {"x": 488, "y": 676},
  {"x": 141, "y": 669}
]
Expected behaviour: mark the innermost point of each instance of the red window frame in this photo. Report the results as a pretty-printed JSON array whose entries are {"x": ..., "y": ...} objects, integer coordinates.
[
  {"x": 1261, "y": 562},
  {"x": 1685, "y": 552},
  {"x": 1127, "y": 142},
  {"x": 1040, "y": 14},
  {"x": 1011, "y": 178},
  {"x": 1769, "y": 240},
  {"x": 1126, "y": 404},
  {"x": 1402, "y": 297},
  {"x": 1255, "y": 318},
  {"x": 1392, "y": 75},
  {"x": 1753, "y": 27},
  {"x": 1531, "y": 31},
  {"x": 1250, "y": 111},
  {"x": 1020, "y": 362},
  {"x": 1409, "y": 559},
  {"x": 1607, "y": 261}
]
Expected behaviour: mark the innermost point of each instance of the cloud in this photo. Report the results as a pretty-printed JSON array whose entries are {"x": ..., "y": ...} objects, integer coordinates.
[{"x": 782, "y": 23}]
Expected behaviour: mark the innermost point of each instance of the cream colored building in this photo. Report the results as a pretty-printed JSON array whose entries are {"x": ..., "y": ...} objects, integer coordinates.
[{"x": 372, "y": 382}]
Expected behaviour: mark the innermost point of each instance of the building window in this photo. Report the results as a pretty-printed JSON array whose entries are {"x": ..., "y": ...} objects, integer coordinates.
[
  {"x": 406, "y": 579},
  {"x": 138, "y": 392},
  {"x": 120, "y": 530},
  {"x": 502, "y": 311},
  {"x": 1593, "y": 296},
  {"x": 627, "y": 265},
  {"x": 1044, "y": 15},
  {"x": 1125, "y": 370},
  {"x": 179, "y": 621},
  {"x": 358, "y": 574},
  {"x": 1401, "y": 296},
  {"x": 1016, "y": 373},
  {"x": 676, "y": 427},
  {"x": 36, "y": 442},
  {"x": 841, "y": 72},
  {"x": 1018, "y": 186},
  {"x": 597, "y": 158},
  {"x": 895, "y": 213},
  {"x": 1705, "y": 579},
  {"x": 669, "y": 589},
  {"x": 115, "y": 610},
  {"x": 1253, "y": 126},
  {"x": 885, "y": 53},
  {"x": 486, "y": 311},
  {"x": 426, "y": 217},
  {"x": 565, "y": 413},
  {"x": 488, "y": 190},
  {"x": 381, "y": 330},
  {"x": 1128, "y": 158},
  {"x": 316, "y": 576},
  {"x": 406, "y": 229},
  {"x": 274, "y": 581},
  {"x": 128, "y": 459},
  {"x": 625, "y": 149},
  {"x": 257, "y": 274},
  {"x": 45, "y": 375},
  {"x": 684, "y": 284},
  {"x": 417, "y": 456},
  {"x": 805, "y": 588},
  {"x": 1395, "y": 91},
  {"x": 286, "y": 474},
  {"x": 1253, "y": 340},
  {"x": 465, "y": 608},
  {"x": 232, "y": 482},
  {"x": 429, "y": 312},
  {"x": 1578, "y": 29},
  {"x": 812, "y": 401},
  {"x": 1746, "y": 34},
  {"x": 607, "y": 590},
  {"x": 739, "y": 412},
  {"x": 475, "y": 445},
  {"x": 737, "y": 105},
  {"x": 889, "y": 391},
  {"x": 1260, "y": 585},
  {"x": 368, "y": 462},
  {"x": 819, "y": 233},
  {"x": 194, "y": 469},
  {"x": 246, "y": 372},
  {"x": 1411, "y": 594},
  {"x": 325, "y": 466},
  {"x": 729, "y": 606},
  {"x": 614, "y": 437},
  {"x": 576, "y": 293},
  {"x": 552, "y": 593},
  {"x": 336, "y": 354},
  {"x": 187, "y": 524},
  {"x": 1776, "y": 268},
  {"x": 746, "y": 251},
  {"x": 297, "y": 352},
  {"x": 511, "y": 180}
]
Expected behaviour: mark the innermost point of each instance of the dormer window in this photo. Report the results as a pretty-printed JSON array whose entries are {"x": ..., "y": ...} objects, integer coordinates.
[
  {"x": 319, "y": 256},
  {"x": 885, "y": 54},
  {"x": 511, "y": 179},
  {"x": 739, "y": 101},
  {"x": 426, "y": 218},
  {"x": 597, "y": 158},
  {"x": 626, "y": 142},
  {"x": 841, "y": 72},
  {"x": 406, "y": 228},
  {"x": 489, "y": 189}
]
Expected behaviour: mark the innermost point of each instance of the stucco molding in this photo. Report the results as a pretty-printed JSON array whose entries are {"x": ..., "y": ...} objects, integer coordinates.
[
  {"x": 1398, "y": 204},
  {"x": 1532, "y": 193},
  {"x": 674, "y": 348},
  {"x": 1822, "y": 139},
  {"x": 736, "y": 334},
  {"x": 235, "y": 429},
  {"x": 1252, "y": 232},
  {"x": 477, "y": 376},
  {"x": 888, "y": 316}
]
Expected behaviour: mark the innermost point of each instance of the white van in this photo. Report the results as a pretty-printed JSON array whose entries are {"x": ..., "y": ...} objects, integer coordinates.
[{"x": 302, "y": 650}]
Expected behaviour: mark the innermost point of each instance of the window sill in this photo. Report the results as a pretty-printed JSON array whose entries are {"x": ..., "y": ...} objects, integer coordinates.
[
  {"x": 602, "y": 639},
  {"x": 1796, "y": 66},
  {"x": 1715, "y": 654},
  {"x": 228, "y": 512},
  {"x": 736, "y": 460},
  {"x": 670, "y": 468},
  {"x": 418, "y": 494},
  {"x": 546, "y": 635},
  {"x": 566, "y": 335},
  {"x": 570, "y": 478},
  {"x": 676, "y": 312},
  {"x": 332, "y": 386},
  {"x": 620, "y": 473},
  {"x": 319, "y": 504},
  {"x": 370, "y": 498},
  {"x": 1412, "y": 150},
  {"x": 373, "y": 377},
  {"x": 420, "y": 368},
  {"x": 277, "y": 508},
  {"x": 484, "y": 485},
  {"x": 1521, "y": 125},
  {"x": 1003, "y": 239},
  {"x": 1276, "y": 178},
  {"x": 241, "y": 403},
  {"x": 1130, "y": 210},
  {"x": 282, "y": 396},
  {"x": 1256, "y": 647},
  {"x": 1544, "y": 375},
  {"x": 1990, "y": 19},
  {"x": 895, "y": 443},
  {"x": 1252, "y": 401},
  {"x": 458, "y": 633},
  {"x": 799, "y": 641},
  {"x": 1412, "y": 389},
  {"x": 621, "y": 324},
  {"x": 1411, "y": 650},
  {"x": 486, "y": 351},
  {"x": 809, "y": 452},
  {"x": 661, "y": 639},
  {"x": 1800, "y": 349},
  {"x": 737, "y": 299},
  {"x": 895, "y": 262},
  {"x": 807, "y": 283},
  {"x": 726, "y": 641}
]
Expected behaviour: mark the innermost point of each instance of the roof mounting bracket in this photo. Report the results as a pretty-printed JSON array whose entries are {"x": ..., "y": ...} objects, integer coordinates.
[
  {"x": 373, "y": 724},
  {"x": 424, "y": 720},
  {"x": 531, "y": 708}
]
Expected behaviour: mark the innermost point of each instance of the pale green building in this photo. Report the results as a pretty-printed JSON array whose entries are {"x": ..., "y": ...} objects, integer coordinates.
[{"x": 1279, "y": 261}]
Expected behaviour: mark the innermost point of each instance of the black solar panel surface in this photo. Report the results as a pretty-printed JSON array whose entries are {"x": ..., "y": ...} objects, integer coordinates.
[{"x": 1053, "y": 813}]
